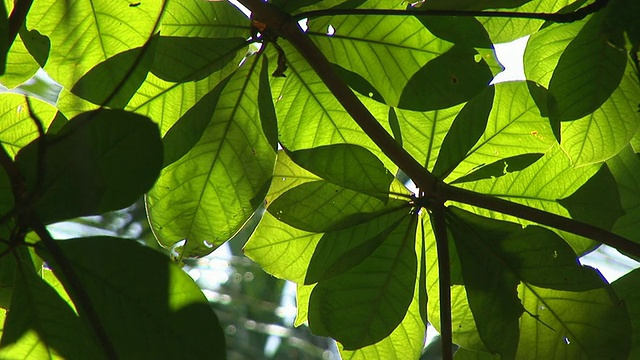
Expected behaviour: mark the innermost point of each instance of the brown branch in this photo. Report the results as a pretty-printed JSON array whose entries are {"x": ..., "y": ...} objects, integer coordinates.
[
  {"x": 444, "y": 278},
  {"x": 288, "y": 28},
  {"x": 488, "y": 202},
  {"x": 555, "y": 17}
]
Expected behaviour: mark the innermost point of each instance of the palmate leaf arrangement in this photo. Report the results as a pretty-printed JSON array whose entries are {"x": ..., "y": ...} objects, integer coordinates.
[{"x": 217, "y": 117}]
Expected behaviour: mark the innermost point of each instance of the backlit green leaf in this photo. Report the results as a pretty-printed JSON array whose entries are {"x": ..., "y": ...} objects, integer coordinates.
[
  {"x": 210, "y": 192},
  {"x": 627, "y": 289},
  {"x": 17, "y": 128}
]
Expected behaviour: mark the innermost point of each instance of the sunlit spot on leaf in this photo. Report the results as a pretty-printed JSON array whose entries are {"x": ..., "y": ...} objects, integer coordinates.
[{"x": 331, "y": 30}]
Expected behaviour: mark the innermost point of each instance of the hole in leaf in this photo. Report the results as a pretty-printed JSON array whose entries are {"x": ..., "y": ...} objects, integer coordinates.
[{"x": 331, "y": 30}]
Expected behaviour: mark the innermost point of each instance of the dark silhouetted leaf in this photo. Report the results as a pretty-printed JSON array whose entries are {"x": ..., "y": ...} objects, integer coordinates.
[
  {"x": 365, "y": 304},
  {"x": 340, "y": 251},
  {"x": 450, "y": 79},
  {"x": 148, "y": 306},
  {"x": 465, "y": 131},
  {"x": 99, "y": 161},
  {"x": 119, "y": 77},
  {"x": 182, "y": 59},
  {"x": 358, "y": 83},
  {"x": 597, "y": 202},
  {"x": 495, "y": 257},
  {"x": 350, "y": 166},
  {"x": 500, "y": 168}
]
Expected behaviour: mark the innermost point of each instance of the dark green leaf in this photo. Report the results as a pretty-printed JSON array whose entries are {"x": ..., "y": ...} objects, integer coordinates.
[
  {"x": 99, "y": 161},
  {"x": 365, "y": 304},
  {"x": 183, "y": 59},
  {"x": 628, "y": 289},
  {"x": 450, "y": 79},
  {"x": 4, "y": 37},
  {"x": 41, "y": 324},
  {"x": 588, "y": 72},
  {"x": 465, "y": 131},
  {"x": 472, "y": 4},
  {"x": 495, "y": 257},
  {"x": 358, "y": 83},
  {"x": 350, "y": 166},
  {"x": 322, "y": 206},
  {"x": 37, "y": 44},
  {"x": 500, "y": 168},
  {"x": 463, "y": 30},
  {"x": 119, "y": 77},
  {"x": 148, "y": 306},
  {"x": 187, "y": 131},
  {"x": 621, "y": 24},
  {"x": 268, "y": 118},
  {"x": 597, "y": 202},
  {"x": 340, "y": 251}
]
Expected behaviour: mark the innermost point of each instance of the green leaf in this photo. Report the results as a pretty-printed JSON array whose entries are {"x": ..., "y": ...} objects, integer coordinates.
[
  {"x": 495, "y": 257},
  {"x": 84, "y": 35},
  {"x": 502, "y": 30},
  {"x": 358, "y": 83},
  {"x": 4, "y": 35},
  {"x": 540, "y": 185},
  {"x": 573, "y": 325},
  {"x": 40, "y": 324},
  {"x": 500, "y": 168},
  {"x": 99, "y": 161},
  {"x": 457, "y": 29},
  {"x": 322, "y": 206},
  {"x": 603, "y": 133},
  {"x": 588, "y": 72},
  {"x": 386, "y": 51},
  {"x": 17, "y": 128},
  {"x": 339, "y": 251},
  {"x": 466, "y": 129},
  {"x": 21, "y": 64},
  {"x": 350, "y": 166},
  {"x": 597, "y": 202},
  {"x": 147, "y": 305},
  {"x": 450, "y": 79},
  {"x": 514, "y": 119},
  {"x": 625, "y": 168},
  {"x": 210, "y": 192},
  {"x": 119, "y": 76},
  {"x": 310, "y": 116},
  {"x": 627, "y": 289},
  {"x": 365, "y": 304},
  {"x": 472, "y": 4}
]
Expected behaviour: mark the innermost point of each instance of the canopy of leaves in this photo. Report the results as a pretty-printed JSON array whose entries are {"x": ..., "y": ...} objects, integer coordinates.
[{"x": 215, "y": 117}]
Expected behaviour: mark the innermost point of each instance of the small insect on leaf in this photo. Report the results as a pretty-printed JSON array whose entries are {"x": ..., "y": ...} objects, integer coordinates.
[{"x": 134, "y": 4}]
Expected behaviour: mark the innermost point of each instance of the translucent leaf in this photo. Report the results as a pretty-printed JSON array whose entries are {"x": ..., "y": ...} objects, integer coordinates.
[
  {"x": 366, "y": 303},
  {"x": 540, "y": 185},
  {"x": 514, "y": 127},
  {"x": 85, "y": 34},
  {"x": 21, "y": 65},
  {"x": 210, "y": 192},
  {"x": 587, "y": 73},
  {"x": 466, "y": 129},
  {"x": 502, "y": 30},
  {"x": 17, "y": 128},
  {"x": 310, "y": 116},
  {"x": 147, "y": 305},
  {"x": 625, "y": 168},
  {"x": 573, "y": 325},
  {"x": 603, "y": 133},
  {"x": 495, "y": 257},
  {"x": 386, "y": 51},
  {"x": 84, "y": 164}
]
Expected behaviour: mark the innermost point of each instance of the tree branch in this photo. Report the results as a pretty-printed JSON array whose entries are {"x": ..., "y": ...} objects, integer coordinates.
[
  {"x": 444, "y": 278},
  {"x": 17, "y": 18},
  {"x": 488, "y": 202},
  {"x": 287, "y": 27},
  {"x": 555, "y": 17}
]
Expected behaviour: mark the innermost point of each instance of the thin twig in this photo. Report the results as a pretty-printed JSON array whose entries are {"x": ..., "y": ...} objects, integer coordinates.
[
  {"x": 555, "y": 17},
  {"x": 444, "y": 278}
]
